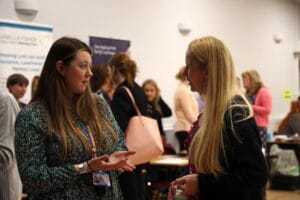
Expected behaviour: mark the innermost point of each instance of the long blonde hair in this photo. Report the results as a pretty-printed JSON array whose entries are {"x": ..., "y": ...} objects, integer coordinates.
[
  {"x": 157, "y": 96},
  {"x": 255, "y": 82},
  {"x": 207, "y": 147},
  {"x": 51, "y": 92}
]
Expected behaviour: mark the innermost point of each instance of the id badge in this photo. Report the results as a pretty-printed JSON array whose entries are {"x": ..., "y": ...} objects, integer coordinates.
[{"x": 101, "y": 178}]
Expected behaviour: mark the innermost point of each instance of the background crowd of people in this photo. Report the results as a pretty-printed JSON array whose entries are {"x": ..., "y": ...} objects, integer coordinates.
[{"x": 68, "y": 141}]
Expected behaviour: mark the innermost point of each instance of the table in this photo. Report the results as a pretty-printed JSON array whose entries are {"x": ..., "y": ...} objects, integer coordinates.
[
  {"x": 279, "y": 181},
  {"x": 293, "y": 144},
  {"x": 162, "y": 171},
  {"x": 170, "y": 160}
]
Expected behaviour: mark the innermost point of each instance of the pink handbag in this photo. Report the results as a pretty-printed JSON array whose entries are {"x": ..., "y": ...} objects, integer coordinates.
[{"x": 142, "y": 136}]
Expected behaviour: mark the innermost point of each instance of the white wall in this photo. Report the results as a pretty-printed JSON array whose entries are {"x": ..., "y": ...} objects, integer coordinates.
[{"x": 246, "y": 26}]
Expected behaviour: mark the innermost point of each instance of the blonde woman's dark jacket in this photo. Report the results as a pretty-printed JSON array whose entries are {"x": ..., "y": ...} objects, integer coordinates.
[{"x": 246, "y": 171}]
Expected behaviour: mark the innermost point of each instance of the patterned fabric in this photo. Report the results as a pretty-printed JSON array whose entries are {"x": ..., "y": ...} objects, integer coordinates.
[
  {"x": 251, "y": 99},
  {"x": 263, "y": 136},
  {"x": 44, "y": 174}
]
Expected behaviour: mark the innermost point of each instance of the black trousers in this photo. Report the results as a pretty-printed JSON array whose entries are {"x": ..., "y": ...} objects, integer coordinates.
[
  {"x": 133, "y": 184},
  {"x": 181, "y": 137}
]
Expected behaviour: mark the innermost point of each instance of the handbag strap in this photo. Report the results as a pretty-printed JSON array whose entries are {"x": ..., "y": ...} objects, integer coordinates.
[{"x": 132, "y": 100}]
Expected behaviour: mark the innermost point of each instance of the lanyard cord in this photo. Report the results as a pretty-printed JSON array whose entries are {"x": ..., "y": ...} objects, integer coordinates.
[
  {"x": 86, "y": 132},
  {"x": 90, "y": 137}
]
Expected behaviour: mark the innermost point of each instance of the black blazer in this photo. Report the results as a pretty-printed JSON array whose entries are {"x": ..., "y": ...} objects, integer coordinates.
[
  {"x": 166, "y": 112},
  {"x": 246, "y": 172},
  {"x": 122, "y": 106}
]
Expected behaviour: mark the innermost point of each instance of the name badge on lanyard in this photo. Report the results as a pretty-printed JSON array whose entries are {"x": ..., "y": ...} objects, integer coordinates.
[{"x": 100, "y": 178}]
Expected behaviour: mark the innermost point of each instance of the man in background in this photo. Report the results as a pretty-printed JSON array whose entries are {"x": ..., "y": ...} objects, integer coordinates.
[{"x": 10, "y": 183}]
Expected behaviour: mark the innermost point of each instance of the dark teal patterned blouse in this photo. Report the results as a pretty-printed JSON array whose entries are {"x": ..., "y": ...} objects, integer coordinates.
[{"x": 44, "y": 174}]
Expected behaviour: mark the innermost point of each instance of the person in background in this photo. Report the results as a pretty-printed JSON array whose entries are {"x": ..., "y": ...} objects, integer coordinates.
[
  {"x": 34, "y": 84},
  {"x": 101, "y": 82},
  {"x": 226, "y": 149},
  {"x": 261, "y": 99},
  {"x": 17, "y": 85},
  {"x": 67, "y": 138},
  {"x": 124, "y": 71},
  {"x": 238, "y": 83},
  {"x": 186, "y": 110},
  {"x": 290, "y": 125},
  {"x": 157, "y": 109},
  {"x": 10, "y": 182},
  {"x": 200, "y": 102}
]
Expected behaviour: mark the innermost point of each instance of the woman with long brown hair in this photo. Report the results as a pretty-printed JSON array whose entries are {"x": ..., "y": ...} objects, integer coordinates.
[{"x": 68, "y": 144}]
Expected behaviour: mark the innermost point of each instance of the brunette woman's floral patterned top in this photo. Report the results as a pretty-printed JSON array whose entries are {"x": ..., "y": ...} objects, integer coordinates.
[{"x": 44, "y": 174}]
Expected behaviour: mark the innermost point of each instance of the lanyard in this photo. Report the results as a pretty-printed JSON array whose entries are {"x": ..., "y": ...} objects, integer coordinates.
[{"x": 91, "y": 140}]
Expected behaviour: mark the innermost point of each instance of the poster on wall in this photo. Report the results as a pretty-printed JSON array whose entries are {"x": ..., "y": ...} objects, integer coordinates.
[
  {"x": 23, "y": 49},
  {"x": 104, "y": 48}
]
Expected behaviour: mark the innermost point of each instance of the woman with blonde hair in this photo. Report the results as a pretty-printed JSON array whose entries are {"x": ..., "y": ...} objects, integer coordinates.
[
  {"x": 261, "y": 100},
  {"x": 67, "y": 138},
  {"x": 226, "y": 149},
  {"x": 157, "y": 109}
]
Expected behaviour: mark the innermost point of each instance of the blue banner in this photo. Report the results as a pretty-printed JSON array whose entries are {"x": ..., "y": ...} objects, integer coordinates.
[{"x": 104, "y": 48}]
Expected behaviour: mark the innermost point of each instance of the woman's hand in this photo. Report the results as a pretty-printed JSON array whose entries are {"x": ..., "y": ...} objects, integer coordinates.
[
  {"x": 113, "y": 162},
  {"x": 127, "y": 166},
  {"x": 187, "y": 186}
]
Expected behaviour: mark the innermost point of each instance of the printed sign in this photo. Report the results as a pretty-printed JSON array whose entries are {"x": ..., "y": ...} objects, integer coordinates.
[
  {"x": 104, "y": 48},
  {"x": 23, "y": 48}
]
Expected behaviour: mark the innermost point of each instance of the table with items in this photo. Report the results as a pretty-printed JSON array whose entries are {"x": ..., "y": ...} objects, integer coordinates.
[{"x": 289, "y": 180}]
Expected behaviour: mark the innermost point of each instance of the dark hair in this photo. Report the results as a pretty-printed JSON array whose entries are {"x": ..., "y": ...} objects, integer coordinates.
[
  {"x": 125, "y": 66},
  {"x": 34, "y": 83},
  {"x": 64, "y": 49},
  {"x": 100, "y": 74},
  {"x": 16, "y": 79}
]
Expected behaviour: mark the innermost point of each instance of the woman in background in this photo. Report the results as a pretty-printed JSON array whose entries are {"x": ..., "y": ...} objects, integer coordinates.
[
  {"x": 101, "y": 82},
  {"x": 10, "y": 182},
  {"x": 67, "y": 138},
  {"x": 157, "y": 109},
  {"x": 261, "y": 100},
  {"x": 226, "y": 148},
  {"x": 186, "y": 110},
  {"x": 124, "y": 71}
]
